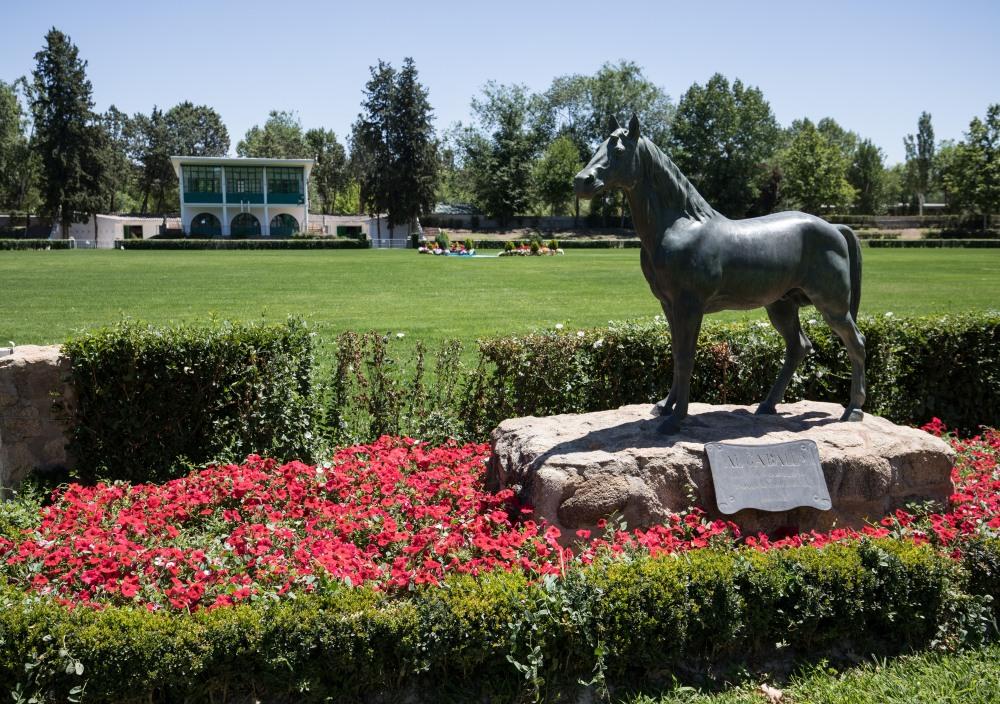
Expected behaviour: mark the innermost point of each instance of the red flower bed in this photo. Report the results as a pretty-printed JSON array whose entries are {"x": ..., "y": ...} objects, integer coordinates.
[{"x": 392, "y": 514}]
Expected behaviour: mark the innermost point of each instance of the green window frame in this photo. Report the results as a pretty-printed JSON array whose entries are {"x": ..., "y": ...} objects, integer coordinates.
[
  {"x": 284, "y": 179},
  {"x": 202, "y": 179},
  {"x": 244, "y": 179}
]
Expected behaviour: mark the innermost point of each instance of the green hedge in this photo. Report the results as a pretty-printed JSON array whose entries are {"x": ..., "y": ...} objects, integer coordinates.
[
  {"x": 567, "y": 244},
  {"x": 151, "y": 399},
  {"x": 194, "y": 243},
  {"x": 619, "y": 623},
  {"x": 917, "y": 368},
  {"x": 918, "y": 244},
  {"x": 36, "y": 244}
]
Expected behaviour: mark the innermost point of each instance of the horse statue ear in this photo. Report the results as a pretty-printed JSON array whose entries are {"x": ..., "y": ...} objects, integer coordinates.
[
  {"x": 613, "y": 124},
  {"x": 633, "y": 127}
]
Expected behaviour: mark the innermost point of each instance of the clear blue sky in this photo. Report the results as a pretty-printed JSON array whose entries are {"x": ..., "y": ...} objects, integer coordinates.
[{"x": 873, "y": 65}]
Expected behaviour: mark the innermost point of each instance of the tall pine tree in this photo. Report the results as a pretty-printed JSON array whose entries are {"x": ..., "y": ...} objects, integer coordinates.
[{"x": 66, "y": 137}]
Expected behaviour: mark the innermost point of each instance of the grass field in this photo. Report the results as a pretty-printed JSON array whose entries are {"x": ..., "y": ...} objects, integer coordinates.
[
  {"x": 971, "y": 677},
  {"x": 46, "y": 296}
]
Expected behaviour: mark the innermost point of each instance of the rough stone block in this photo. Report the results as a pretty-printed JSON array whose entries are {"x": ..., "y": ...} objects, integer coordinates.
[{"x": 574, "y": 469}]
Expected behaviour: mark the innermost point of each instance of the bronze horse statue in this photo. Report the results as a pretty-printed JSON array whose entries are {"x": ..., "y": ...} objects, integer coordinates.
[{"x": 698, "y": 261}]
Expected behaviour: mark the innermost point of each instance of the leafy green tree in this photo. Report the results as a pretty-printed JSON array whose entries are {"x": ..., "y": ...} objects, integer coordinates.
[
  {"x": 553, "y": 173},
  {"x": 196, "y": 130},
  {"x": 815, "y": 172},
  {"x": 19, "y": 163},
  {"x": 974, "y": 173},
  {"x": 152, "y": 148},
  {"x": 413, "y": 173},
  {"x": 500, "y": 150},
  {"x": 117, "y": 168},
  {"x": 281, "y": 137},
  {"x": 920, "y": 159},
  {"x": 846, "y": 140},
  {"x": 64, "y": 122},
  {"x": 866, "y": 175},
  {"x": 722, "y": 138},
  {"x": 329, "y": 174},
  {"x": 371, "y": 157},
  {"x": 454, "y": 179}
]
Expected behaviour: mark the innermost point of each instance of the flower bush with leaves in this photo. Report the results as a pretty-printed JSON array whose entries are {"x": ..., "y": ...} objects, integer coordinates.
[{"x": 393, "y": 514}]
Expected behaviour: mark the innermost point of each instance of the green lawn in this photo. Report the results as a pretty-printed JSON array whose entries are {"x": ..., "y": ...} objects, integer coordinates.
[
  {"x": 45, "y": 296},
  {"x": 972, "y": 677}
]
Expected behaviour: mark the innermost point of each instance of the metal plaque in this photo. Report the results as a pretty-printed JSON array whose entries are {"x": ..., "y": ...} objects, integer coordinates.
[{"x": 774, "y": 477}]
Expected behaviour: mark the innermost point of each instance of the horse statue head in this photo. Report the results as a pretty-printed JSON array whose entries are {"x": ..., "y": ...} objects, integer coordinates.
[{"x": 616, "y": 163}]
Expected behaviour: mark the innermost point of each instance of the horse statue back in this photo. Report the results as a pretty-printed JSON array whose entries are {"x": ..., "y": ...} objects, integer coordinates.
[{"x": 698, "y": 261}]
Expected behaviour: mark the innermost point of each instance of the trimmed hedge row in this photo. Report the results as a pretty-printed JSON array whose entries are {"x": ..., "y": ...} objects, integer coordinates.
[
  {"x": 618, "y": 623},
  {"x": 917, "y": 368},
  {"x": 19, "y": 244},
  {"x": 151, "y": 399},
  {"x": 917, "y": 244},
  {"x": 194, "y": 243}
]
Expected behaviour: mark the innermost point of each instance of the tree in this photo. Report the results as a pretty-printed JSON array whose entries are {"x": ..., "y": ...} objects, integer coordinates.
[
  {"x": 19, "y": 163},
  {"x": 196, "y": 130},
  {"x": 371, "y": 158},
  {"x": 499, "y": 150},
  {"x": 413, "y": 174},
  {"x": 815, "y": 172},
  {"x": 281, "y": 137},
  {"x": 722, "y": 138},
  {"x": 866, "y": 175},
  {"x": 64, "y": 137},
  {"x": 329, "y": 174},
  {"x": 974, "y": 174},
  {"x": 920, "y": 159},
  {"x": 152, "y": 148},
  {"x": 117, "y": 168},
  {"x": 553, "y": 173}
]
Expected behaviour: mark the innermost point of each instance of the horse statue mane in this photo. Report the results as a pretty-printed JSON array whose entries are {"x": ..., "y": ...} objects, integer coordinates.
[{"x": 663, "y": 174}]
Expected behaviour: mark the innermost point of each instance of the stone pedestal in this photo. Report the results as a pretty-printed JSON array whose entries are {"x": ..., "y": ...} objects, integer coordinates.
[
  {"x": 34, "y": 400},
  {"x": 575, "y": 469}
]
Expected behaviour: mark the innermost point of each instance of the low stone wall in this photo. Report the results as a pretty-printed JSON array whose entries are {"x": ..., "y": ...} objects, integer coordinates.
[{"x": 35, "y": 399}]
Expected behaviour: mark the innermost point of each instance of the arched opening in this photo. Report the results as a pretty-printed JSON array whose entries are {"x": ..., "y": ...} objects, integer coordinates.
[
  {"x": 205, "y": 225},
  {"x": 284, "y": 225},
  {"x": 245, "y": 225}
]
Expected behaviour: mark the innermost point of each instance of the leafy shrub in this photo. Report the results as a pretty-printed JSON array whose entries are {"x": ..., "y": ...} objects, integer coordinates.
[
  {"x": 441, "y": 238},
  {"x": 621, "y": 621},
  {"x": 150, "y": 399},
  {"x": 469, "y": 244},
  {"x": 936, "y": 243},
  {"x": 917, "y": 369},
  {"x": 20, "y": 244},
  {"x": 372, "y": 392}
]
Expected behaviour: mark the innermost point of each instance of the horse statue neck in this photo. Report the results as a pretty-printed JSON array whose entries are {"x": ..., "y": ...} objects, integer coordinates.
[{"x": 663, "y": 194}]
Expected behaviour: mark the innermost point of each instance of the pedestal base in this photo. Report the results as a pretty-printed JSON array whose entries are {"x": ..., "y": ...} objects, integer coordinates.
[{"x": 575, "y": 469}]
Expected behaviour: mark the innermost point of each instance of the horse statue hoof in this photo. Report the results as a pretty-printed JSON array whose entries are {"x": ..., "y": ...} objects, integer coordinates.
[
  {"x": 669, "y": 426},
  {"x": 852, "y": 415},
  {"x": 661, "y": 408}
]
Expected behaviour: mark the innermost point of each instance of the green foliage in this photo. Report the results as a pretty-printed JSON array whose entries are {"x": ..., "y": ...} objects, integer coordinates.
[
  {"x": 814, "y": 170},
  {"x": 552, "y": 175},
  {"x": 329, "y": 177},
  {"x": 619, "y": 622},
  {"x": 917, "y": 368},
  {"x": 971, "y": 172},
  {"x": 441, "y": 239},
  {"x": 722, "y": 137},
  {"x": 935, "y": 243},
  {"x": 281, "y": 137},
  {"x": 294, "y": 243},
  {"x": 151, "y": 399},
  {"x": 36, "y": 244},
  {"x": 393, "y": 149},
  {"x": 920, "y": 159},
  {"x": 866, "y": 175},
  {"x": 500, "y": 150},
  {"x": 372, "y": 391}
]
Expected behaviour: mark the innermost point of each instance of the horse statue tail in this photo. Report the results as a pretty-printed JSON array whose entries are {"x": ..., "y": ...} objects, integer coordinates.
[{"x": 854, "y": 254}]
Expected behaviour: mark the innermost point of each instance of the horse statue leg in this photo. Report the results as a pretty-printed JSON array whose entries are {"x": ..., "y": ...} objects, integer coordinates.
[
  {"x": 684, "y": 329},
  {"x": 665, "y": 406},
  {"x": 784, "y": 315},
  {"x": 842, "y": 323}
]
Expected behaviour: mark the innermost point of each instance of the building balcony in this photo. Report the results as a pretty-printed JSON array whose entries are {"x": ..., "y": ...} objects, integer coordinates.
[
  {"x": 202, "y": 197},
  {"x": 244, "y": 197},
  {"x": 286, "y": 198}
]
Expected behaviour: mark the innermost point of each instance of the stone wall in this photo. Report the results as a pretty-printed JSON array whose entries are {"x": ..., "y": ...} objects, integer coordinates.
[{"x": 34, "y": 401}]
